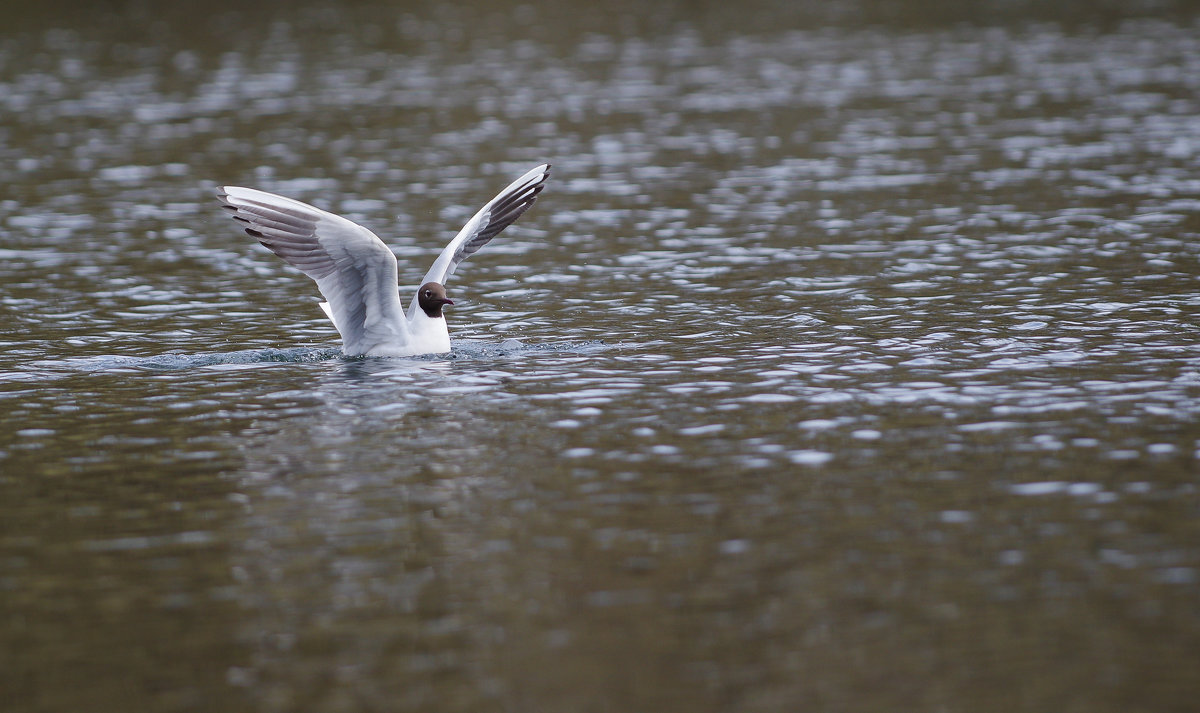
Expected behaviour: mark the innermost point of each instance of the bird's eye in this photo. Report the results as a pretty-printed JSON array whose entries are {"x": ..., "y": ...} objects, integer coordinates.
[{"x": 428, "y": 293}]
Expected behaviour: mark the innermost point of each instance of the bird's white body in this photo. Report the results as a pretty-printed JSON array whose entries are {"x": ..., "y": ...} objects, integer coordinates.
[
  {"x": 357, "y": 273},
  {"x": 425, "y": 335}
]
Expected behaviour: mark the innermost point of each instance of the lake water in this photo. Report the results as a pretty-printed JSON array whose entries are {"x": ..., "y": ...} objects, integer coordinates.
[{"x": 848, "y": 362}]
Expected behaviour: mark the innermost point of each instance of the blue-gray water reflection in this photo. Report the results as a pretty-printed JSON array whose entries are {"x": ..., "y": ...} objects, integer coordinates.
[{"x": 839, "y": 367}]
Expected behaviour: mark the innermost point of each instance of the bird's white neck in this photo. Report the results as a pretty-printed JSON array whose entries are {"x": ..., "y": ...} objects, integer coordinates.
[{"x": 429, "y": 334}]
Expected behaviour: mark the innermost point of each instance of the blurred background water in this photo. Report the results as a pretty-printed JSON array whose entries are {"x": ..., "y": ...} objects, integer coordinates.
[{"x": 850, "y": 360}]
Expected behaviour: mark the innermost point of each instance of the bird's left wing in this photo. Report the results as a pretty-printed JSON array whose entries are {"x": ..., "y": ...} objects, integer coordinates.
[{"x": 498, "y": 214}]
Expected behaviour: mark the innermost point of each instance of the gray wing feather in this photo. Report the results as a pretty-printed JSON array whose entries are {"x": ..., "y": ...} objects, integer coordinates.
[
  {"x": 494, "y": 217},
  {"x": 352, "y": 267}
]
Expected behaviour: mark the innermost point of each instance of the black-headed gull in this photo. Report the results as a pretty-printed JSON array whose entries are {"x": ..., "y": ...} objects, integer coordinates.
[{"x": 357, "y": 273}]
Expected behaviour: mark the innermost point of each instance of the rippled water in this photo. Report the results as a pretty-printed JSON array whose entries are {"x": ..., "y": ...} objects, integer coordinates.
[{"x": 841, "y": 366}]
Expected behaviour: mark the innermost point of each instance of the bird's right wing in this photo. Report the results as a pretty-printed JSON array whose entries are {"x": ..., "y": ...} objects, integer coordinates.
[{"x": 353, "y": 269}]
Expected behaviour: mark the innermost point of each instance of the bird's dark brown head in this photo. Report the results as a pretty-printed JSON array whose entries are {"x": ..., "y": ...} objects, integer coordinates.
[{"x": 431, "y": 297}]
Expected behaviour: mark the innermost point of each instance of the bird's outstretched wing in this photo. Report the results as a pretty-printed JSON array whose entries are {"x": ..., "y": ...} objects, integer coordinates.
[
  {"x": 498, "y": 214},
  {"x": 353, "y": 269}
]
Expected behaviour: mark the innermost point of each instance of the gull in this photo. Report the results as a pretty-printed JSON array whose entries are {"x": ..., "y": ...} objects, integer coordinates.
[{"x": 357, "y": 273}]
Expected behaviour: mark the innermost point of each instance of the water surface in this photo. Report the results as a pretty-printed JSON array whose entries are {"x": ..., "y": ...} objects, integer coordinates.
[{"x": 842, "y": 365}]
